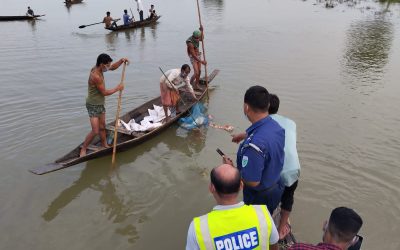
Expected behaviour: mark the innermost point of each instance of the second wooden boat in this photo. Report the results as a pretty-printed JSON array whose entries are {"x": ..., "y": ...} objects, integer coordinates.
[
  {"x": 134, "y": 25},
  {"x": 17, "y": 18}
]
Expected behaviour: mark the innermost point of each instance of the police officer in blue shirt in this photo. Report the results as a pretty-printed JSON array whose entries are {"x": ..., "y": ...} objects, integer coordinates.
[{"x": 261, "y": 155}]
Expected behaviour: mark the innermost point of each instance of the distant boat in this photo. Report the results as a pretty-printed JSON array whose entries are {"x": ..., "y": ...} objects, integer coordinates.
[
  {"x": 16, "y": 18},
  {"x": 73, "y": 2},
  {"x": 135, "y": 25}
]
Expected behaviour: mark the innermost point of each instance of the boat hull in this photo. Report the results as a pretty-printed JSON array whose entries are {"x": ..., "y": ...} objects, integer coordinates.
[
  {"x": 18, "y": 18},
  {"x": 135, "y": 25}
]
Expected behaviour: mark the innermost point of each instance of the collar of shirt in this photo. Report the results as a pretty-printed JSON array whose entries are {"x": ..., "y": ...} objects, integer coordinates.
[
  {"x": 328, "y": 246},
  {"x": 226, "y": 207},
  {"x": 257, "y": 124}
]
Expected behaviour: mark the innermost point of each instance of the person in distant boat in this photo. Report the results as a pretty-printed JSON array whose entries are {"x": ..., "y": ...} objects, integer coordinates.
[
  {"x": 95, "y": 100},
  {"x": 192, "y": 48},
  {"x": 127, "y": 19},
  {"x": 291, "y": 165},
  {"x": 340, "y": 231},
  {"x": 152, "y": 12},
  {"x": 140, "y": 8},
  {"x": 231, "y": 224},
  {"x": 109, "y": 21},
  {"x": 170, "y": 92},
  {"x": 30, "y": 12}
]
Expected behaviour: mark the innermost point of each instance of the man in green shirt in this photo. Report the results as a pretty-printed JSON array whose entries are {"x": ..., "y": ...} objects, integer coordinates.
[{"x": 96, "y": 98}]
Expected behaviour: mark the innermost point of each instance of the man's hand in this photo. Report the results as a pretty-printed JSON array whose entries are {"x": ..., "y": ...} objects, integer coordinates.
[
  {"x": 236, "y": 138},
  {"x": 125, "y": 60},
  {"x": 203, "y": 62},
  {"x": 226, "y": 160},
  {"x": 201, "y": 28},
  {"x": 120, "y": 87}
]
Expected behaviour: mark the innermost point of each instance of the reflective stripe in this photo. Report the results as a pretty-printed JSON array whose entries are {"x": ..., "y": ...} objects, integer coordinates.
[
  {"x": 205, "y": 232},
  {"x": 256, "y": 148},
  {"x": 265, "y": 229}
]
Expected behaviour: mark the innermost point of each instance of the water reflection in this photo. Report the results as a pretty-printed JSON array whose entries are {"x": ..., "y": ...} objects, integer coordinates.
[
  {"x": 119, "y": 207},
  {"x": 366, "y": 55},
  {"x": 32, "y": 23},
  {"x": 214, "y": 4},
  {"x": 214, "y": 8}
]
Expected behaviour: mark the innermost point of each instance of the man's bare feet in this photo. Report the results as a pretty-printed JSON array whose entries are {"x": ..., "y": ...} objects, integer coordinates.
[
  {"x": 283, "y": 231},
  {"x": 83, "y": 152}
]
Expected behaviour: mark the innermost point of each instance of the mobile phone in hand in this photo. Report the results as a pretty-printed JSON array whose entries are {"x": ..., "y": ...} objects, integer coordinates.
[{"x": 220, "y": 152}]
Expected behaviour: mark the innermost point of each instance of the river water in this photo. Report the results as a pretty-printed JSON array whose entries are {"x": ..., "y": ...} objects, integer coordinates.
[{"x": 336, "y": 72}]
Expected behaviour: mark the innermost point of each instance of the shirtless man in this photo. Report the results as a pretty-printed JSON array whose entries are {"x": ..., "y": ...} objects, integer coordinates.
[
  {"x": 109, "y": 21},
  {"x": 96, "y": 98},
  {"x": 192, "y": 44}
]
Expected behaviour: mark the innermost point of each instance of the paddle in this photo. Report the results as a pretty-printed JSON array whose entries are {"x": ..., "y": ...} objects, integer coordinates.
[
  {"x": 117, "y": 116},
  {"x": 202, "y": 45},
  {"x": 84, "y": 26},
  {"x": 179, "y": 98}
]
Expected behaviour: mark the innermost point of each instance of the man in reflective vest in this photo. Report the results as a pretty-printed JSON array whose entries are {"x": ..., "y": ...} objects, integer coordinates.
[{"x": 231, "y": 225}]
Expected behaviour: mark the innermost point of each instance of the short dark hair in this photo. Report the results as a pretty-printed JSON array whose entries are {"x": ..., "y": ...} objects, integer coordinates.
[
  {"x": 103, "y": 59},
  {"x": 223, "y": 186},
  {"x": 125, "y": 11},
  {"x": 344, "y": 224},
  {"x": 151, "y": 5},
  {"x": 185, "y": 66},
  {"x": 108, "y": 13},
  {"x": 273, "y": 104},
  {"x": 257, "y": 97}
]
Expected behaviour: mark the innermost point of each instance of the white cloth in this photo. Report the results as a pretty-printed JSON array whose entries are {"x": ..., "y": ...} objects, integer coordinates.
[
  {"x": 191, "y": 241},
  {"x": 139, "y": 5},
  {"x": 149, "y": 122},
  {"x": 175, "y": 77},
  {"x": 291, "y": 166}
]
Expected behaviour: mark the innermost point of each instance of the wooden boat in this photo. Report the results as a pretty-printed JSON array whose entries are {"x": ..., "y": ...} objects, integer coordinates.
[
  {"x": 17, "y": 18},
  {"x": 72, "y": 2},
  {"x": 135, "y": 25},
  {"x": 125, "y": 139}
]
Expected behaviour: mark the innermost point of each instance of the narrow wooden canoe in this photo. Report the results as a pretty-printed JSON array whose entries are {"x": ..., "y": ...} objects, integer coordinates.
[
  {"x": 17, "y": 18},
  {"x": 125, "y": 138},
  {"x": 73, "y": 2},
  {"x": 135, "y": 25}
]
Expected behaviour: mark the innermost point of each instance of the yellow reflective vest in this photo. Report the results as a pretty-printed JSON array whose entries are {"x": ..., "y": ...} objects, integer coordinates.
[{"x": 245, "y": 227}]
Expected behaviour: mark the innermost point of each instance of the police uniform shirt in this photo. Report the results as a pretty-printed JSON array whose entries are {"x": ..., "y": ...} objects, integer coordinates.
[
  {"x": 261, "y": 155},
  {"x": 192, "y": 244}
]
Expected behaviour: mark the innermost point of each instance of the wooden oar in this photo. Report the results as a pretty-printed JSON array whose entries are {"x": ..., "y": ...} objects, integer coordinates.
[
  {"x": 202, "y": 45},
  {"x": 84, "y": 26},
  {"x": 117, "y": 116}
]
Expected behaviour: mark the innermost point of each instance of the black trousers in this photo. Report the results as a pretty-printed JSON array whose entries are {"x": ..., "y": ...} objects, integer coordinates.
[
  {"x": 287, "y": 197},
  {"x": 141, "y": 15}
]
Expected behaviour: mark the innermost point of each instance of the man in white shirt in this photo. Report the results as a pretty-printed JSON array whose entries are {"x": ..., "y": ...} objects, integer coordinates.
[
  {"x": 231, "y": 224},
  {"x": 291, "y": 166},
  {"x": 169, "y": 87},
  {"x": 140, "y": 9}
]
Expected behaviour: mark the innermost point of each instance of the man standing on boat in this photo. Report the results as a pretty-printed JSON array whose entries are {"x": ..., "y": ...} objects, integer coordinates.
[
  {"x": 109, "y": 21},
  {"x": 140, "y": 8},
  {"x": 261, "y": 155},
  {"x": 95, "y": 100},
  {"x": 291, "y": 166},
  {"x": 169, "y": 87},
  {"x": 30, "y": 12},
  {"x": 231, "y": 224},
  {"x": 192, "y": 48}
]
